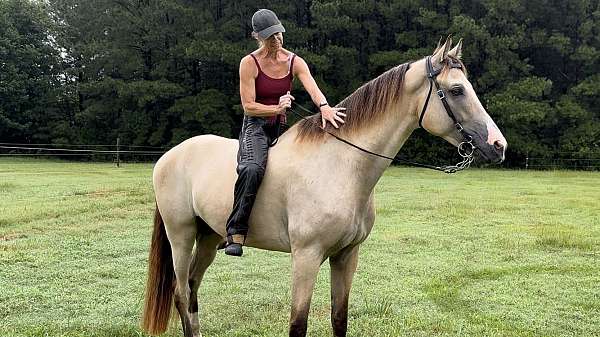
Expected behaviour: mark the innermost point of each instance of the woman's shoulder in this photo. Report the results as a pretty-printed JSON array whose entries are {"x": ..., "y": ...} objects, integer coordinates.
[
  {"x": 249, "y": 57},
  {"x": 289, "y": 54},
  {"x": 248, "y": 66},
  {"x": 295, "y": 56},
  {"x": 249, "y": 60}
]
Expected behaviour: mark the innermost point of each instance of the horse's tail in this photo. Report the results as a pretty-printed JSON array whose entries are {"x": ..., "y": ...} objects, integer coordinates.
[{"x": 161, "y": 281}]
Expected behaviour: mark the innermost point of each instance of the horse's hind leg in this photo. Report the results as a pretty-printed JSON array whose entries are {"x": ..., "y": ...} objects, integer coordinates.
[
  {"x": 182, "y": 236},
  {"x": 204, "y": 255},
  {"x": 343, "y": 265}
]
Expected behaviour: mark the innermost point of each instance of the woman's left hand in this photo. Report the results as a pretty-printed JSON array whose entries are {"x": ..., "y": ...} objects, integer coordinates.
[{"x": 331, "y": 115}]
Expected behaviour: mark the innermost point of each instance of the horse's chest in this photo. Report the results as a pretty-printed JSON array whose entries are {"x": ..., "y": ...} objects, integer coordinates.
[
  {"x": 361, "y": 230},
  {"x": 334, "y": 228}
]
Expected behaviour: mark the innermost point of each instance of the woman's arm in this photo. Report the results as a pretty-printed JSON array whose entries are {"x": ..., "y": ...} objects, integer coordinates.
[
  {"x": 248, "y": 93},
  {"x": 328, "y": 113}
]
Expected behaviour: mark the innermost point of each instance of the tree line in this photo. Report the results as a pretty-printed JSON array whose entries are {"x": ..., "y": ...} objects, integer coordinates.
[{"x": 156, "y": 72}]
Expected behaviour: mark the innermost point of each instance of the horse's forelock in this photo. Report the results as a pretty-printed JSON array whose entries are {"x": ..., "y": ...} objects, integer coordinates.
[{"x": 447, "y": 67}]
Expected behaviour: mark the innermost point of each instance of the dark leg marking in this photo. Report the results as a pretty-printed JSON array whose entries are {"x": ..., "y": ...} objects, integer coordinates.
[
  {"x": 185, "y": 321},
  {"x": 339, "y": 319},
  {"x": 299, "y": 324}
]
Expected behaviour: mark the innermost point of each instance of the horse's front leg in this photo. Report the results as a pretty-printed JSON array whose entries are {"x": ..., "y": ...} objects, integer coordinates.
[
  {"x": 343, "y": 265},
  {"x": 305, "y": 266}
]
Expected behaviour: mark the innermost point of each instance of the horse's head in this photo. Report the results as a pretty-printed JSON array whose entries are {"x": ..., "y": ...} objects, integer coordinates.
[{"x": 451, "y": 104}]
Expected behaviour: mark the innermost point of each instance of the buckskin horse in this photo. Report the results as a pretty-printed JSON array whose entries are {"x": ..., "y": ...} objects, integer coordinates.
[{"x": 308, "y": 204}]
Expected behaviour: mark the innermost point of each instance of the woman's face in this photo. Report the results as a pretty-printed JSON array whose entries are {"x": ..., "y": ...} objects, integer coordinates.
[{"x": 275, "y": 41}]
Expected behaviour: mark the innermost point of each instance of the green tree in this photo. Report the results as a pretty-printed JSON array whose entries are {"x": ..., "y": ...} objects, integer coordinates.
[
  {"x": 29, "y": 71},
  {"x": 155, "y": 72}
]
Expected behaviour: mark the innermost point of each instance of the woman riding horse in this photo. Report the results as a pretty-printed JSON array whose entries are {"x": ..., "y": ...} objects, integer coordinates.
[
  {"x": 316, "y": 201},
  {"x": 265, "y": 84}
]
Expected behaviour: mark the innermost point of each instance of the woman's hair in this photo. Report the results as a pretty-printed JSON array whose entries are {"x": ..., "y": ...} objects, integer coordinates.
[{"x": 258, "y": 40}]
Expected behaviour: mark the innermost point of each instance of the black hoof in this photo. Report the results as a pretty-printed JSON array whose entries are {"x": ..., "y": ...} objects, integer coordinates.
[{"x": 234, "y": 249}]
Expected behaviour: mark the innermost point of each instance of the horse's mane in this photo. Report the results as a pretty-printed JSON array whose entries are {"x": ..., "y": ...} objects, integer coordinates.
[{"x": 365, "y": 105}]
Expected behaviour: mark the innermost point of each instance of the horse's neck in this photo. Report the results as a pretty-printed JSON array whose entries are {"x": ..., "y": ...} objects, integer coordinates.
[
  {"x": 386, "y": 138},
  {"x": 350, "y": 172}
]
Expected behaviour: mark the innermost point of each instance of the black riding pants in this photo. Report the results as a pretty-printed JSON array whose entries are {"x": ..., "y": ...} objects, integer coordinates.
[{"x": 255, "y": 138}]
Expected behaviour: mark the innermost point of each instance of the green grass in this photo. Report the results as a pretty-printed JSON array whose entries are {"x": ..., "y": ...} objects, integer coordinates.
[{"x": 479, "y": 253}]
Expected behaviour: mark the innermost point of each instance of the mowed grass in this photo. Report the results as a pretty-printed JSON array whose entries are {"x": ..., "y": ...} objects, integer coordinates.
[{"x": 479, "y": 253}]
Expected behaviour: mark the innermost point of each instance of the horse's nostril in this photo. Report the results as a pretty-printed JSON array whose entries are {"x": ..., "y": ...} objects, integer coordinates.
[{"x": 498, "y": 145}]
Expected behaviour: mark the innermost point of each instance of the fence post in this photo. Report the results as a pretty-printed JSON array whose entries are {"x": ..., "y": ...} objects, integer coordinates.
[
  {"x": 118, "y": 159},
  {"x": 527, "y": 161}
]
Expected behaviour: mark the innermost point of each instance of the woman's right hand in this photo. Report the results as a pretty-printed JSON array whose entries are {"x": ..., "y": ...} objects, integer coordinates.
[{"x": 285, "y": 102}]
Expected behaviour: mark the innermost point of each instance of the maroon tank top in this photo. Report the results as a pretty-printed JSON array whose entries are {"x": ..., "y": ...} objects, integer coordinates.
[{"x": 269, "y": 89}]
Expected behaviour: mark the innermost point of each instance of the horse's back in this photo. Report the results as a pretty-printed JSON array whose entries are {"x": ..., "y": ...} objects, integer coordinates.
[
  {"x": 206, "y": 152},
  {"x": 197, "y": 177}
]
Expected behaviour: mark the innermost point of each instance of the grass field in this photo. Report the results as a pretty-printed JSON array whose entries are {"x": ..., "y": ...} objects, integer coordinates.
[{"x": 479, "y": 253}]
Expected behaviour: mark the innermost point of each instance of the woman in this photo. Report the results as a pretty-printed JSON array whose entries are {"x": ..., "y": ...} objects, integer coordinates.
[{"x": 265, "y": 84}]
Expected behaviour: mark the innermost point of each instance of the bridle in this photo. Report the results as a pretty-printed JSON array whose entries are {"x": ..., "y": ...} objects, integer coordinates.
[{"x": 466, "y": 149}]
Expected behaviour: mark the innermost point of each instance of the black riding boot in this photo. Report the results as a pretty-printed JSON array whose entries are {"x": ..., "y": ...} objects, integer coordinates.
[{"x": 249, "y": 179}]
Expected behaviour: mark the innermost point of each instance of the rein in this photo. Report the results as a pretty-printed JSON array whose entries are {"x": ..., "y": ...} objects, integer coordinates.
[{"x": 466, "y": 149}]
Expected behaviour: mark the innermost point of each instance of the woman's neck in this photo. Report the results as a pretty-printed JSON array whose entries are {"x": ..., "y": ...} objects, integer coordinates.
[{"x": 270, "y": 54}]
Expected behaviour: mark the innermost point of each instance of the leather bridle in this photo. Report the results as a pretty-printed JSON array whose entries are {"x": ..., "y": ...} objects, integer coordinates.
[{"x": 466, "y": 147}]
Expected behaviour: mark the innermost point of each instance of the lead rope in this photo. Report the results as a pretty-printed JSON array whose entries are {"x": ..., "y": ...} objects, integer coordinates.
[{"x": 467, "y": 154}]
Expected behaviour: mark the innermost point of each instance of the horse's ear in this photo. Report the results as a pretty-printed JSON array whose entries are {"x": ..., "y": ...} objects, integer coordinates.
[
  {"x": 440, "y": 54},
  {"x": 439, "y": 44},
  {"x": 456, "y": 52}
]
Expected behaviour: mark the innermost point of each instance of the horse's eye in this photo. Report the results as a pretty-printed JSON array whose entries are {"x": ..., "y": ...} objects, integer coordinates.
[{"x": 456, "y": 91}]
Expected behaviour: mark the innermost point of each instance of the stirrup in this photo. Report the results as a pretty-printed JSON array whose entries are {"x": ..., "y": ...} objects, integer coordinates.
[{"x": 234, "y": 245}]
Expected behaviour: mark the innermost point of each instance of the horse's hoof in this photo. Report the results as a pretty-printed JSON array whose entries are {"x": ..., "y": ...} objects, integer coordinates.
[{"x": 234, "y": 249}]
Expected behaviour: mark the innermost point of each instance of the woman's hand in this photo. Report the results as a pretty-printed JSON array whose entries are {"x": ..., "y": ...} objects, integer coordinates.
[
  {"x": 331, "y": 115},
  {"x": 285, "y": 102}
]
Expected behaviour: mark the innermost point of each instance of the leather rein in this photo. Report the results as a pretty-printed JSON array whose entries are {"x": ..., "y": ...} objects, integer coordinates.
[{"x": 466, "y": 149}]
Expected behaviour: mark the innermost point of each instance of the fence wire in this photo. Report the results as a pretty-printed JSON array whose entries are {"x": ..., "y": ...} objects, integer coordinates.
[
  {"x": 565, "y": 160},
  {"x": 97, "y": 152},
  {"x": 141, "y": 153}
]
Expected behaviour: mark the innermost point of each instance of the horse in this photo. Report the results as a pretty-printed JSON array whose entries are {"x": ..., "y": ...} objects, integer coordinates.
[{"x": 308, "y": 205}]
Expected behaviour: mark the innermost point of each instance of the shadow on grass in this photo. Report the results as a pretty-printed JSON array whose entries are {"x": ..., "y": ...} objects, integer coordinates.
[
  {"x": 446, "y": 294},
  {"x": 564, "y": 238}
]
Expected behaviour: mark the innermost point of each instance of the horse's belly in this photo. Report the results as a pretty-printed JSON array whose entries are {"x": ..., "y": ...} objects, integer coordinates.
[{"x": 268, "y": 220}]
